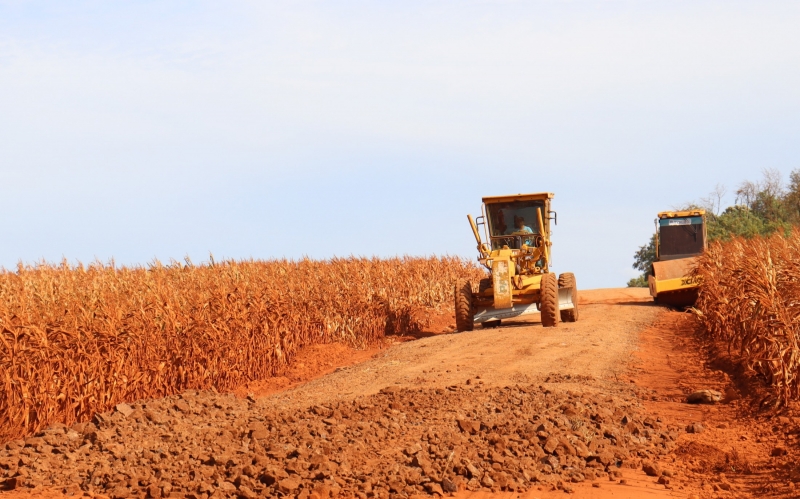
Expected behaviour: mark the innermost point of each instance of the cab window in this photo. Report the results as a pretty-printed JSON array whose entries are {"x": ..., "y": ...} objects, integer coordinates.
[
  {"x": 513, "y": 223},
  {"x": 681, "y": 236}
]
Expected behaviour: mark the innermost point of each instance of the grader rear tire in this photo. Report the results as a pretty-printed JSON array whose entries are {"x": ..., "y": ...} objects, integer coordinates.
[
  {"x": 484, "y": 284},
  {"x": 549, "y": 301},
  {"x": 463, "y": 303},
  {"x": 566, "y": 280}
]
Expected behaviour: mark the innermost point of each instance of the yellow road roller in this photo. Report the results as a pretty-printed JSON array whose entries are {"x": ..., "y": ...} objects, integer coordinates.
[{"x": 680, "y": 239}]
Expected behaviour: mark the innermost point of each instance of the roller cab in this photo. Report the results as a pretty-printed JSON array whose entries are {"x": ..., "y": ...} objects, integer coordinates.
[{"x": 680, "y": 239}]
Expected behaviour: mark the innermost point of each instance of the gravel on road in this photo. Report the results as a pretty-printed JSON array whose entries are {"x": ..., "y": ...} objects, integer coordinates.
[{"x": 400, "y": 442}]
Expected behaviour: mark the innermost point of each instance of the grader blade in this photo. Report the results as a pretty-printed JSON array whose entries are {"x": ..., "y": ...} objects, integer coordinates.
[
  {"x": 487, "y": 314},
  {"x": 565, "y": 298}
]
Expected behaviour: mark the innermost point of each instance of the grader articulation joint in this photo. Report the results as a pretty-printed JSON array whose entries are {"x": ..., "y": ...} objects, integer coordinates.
[{"x": 517, "y": 254}]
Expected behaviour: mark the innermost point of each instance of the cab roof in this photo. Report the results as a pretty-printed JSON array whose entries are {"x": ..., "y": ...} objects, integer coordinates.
[
  {"x": 679, "y": 214},
  {"x": 537, "y": 196}
]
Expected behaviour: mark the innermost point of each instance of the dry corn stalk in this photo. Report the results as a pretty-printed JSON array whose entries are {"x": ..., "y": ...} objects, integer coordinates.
[
  {"x": 750, "y": 299},
  {"x": 78, "y": 340}
]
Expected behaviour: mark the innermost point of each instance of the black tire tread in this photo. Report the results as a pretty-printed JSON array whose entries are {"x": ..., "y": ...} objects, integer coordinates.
[
  {"x": 463, "y": 306},
  {"x": 566, "y": 280},
  {"x": 549, "y": 300}
]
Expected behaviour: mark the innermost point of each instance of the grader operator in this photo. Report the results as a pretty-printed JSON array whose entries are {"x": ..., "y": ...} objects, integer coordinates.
[{"x": 517, "y": 254}]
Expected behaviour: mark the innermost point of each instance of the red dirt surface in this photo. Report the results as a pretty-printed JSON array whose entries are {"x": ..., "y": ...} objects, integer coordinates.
[
  {"x": 615, "y": 296},
  {"x": 317, "y": 361},
  {"x": 744, "y": 449},
  {"x": 311, "y": 362}
]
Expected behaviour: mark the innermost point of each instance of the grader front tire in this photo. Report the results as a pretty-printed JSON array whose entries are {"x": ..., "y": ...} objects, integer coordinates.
[
  {"x": 549, "y": 301},
  {"x": 566, "y": 280},
  {"x": 463, "y": 303}
]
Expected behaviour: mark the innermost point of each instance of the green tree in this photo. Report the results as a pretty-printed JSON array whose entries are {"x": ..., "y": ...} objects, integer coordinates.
[
  {"x": 760, "y": 209},
  {"x": 642, "y": 261},
  {"x": 741, "y": 221},
  {"x": 791, "y": 199},
  {"x": 638, "y": 282},
  {"x": 644, "y": 258}
]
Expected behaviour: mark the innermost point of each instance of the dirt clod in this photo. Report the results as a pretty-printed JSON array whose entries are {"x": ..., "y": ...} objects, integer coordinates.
[
  {"x": 407, "y": 439},
  {"x": 449, "y": 486},
  {"x": 124, "y": 409},
  {"x": 704, "y": 397},
  {"x": 779, "y": 451},
  {"x": 695, "y": 428},
  {"x": 651, "y": 469}
]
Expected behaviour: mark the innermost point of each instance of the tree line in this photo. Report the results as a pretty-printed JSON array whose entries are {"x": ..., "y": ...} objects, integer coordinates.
[{"x": 760, "y": 208}]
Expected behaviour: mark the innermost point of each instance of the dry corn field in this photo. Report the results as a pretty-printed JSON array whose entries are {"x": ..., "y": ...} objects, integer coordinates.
[
  {"x": 76, "y": 341},
  {"x": 750, "y": 299}
]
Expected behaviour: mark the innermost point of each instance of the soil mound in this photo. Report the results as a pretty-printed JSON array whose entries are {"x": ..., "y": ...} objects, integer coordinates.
[{"x": 401, "y": 442}]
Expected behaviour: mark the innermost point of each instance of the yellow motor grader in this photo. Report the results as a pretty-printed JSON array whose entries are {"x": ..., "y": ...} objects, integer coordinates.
[
  {"x": 517, "y": 253},
  {"x": 680, "y": 239}
]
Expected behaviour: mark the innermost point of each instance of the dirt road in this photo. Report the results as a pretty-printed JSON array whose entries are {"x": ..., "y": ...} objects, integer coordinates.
[
  {"x": 594, "y": 408},
  {"x": 584, "y": 354}
]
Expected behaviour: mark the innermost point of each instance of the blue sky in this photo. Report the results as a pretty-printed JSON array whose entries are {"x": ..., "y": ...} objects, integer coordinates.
[{"x": 142, "y": 130}]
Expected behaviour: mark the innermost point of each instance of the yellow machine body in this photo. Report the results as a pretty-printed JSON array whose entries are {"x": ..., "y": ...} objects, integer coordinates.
[
  {"x": 680, "y": 239},
  {"x": 517, "y": 259}
]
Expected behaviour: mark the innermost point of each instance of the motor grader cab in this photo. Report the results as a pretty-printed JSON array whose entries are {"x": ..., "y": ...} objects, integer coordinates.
[
  {"x": 680, "y": 239},
  {"x": 517, "y": 253}
]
